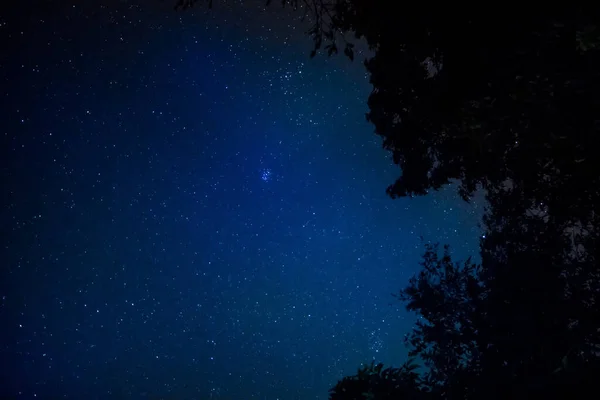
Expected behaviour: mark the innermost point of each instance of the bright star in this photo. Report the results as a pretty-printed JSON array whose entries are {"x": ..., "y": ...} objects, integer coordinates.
[{"x": 266, "y": 175}]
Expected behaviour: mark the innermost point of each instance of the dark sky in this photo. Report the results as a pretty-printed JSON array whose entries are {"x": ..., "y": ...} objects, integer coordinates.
[{"x": 194, "y": 209}]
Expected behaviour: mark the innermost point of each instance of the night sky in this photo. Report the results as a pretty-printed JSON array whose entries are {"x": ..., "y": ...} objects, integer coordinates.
[{"x": 194, "y": 209}]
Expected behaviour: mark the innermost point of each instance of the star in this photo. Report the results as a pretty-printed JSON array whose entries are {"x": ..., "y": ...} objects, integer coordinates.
[{"x": 266, "y": 175}]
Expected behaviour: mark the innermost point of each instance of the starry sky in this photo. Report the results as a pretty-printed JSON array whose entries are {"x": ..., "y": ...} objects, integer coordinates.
[{"x": 192, "y": 208}]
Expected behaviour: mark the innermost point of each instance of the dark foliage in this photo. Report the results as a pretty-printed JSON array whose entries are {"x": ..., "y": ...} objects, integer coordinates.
[
  {"x": 374, "y": 382},
  {"x": 517, "y": 325},
  {"x": 514, "y": 326},
  {"x": 483, "y": 97}
]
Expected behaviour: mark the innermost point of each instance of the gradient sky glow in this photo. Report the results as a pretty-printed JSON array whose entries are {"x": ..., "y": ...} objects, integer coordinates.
[{"x": 192, "y": 208}]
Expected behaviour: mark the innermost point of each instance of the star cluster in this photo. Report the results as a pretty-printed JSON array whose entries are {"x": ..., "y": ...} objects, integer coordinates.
[{"x": 194, "y": 209}]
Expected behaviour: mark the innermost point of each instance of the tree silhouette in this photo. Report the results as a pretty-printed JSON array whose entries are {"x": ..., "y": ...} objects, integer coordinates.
[
  {"x": 374, "y": 382},
  {"x": 482, "y": 97},
  {"x": 512, "y": 326}
]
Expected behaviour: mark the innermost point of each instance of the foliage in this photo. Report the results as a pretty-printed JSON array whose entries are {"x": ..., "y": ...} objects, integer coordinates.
[
  {"x": 373, "y": 382},
  {"x": 511, "y": 327},
  {"x": 483, "y": 97},
  {"x": 517, "y": 325},
  {"x": 447, "y": 297}
]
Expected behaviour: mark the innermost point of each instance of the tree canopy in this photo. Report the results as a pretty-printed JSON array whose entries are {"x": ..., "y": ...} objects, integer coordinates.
[{"x": 522, "y": 323}]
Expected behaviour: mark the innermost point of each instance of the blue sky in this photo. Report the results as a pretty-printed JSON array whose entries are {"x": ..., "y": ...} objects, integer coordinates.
[{"x": 193, "y": 208}]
